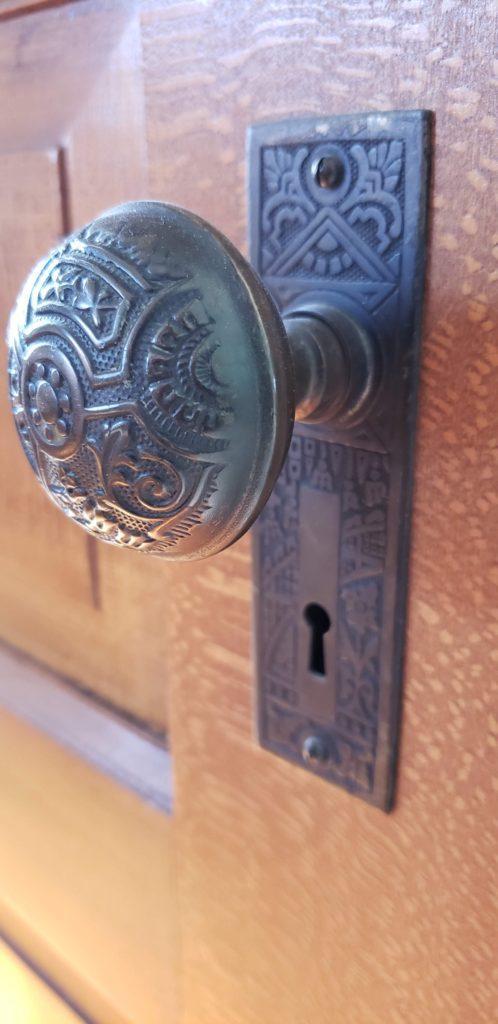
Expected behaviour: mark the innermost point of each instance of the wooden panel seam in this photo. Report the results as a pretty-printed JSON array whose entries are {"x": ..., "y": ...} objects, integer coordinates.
[
  {"x": 54, "y": 987},
  {"x": 77, "y": 722}
]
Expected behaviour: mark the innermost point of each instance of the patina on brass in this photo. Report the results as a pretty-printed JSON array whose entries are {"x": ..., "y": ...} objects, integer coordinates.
[{"x": 154, "y": 384}]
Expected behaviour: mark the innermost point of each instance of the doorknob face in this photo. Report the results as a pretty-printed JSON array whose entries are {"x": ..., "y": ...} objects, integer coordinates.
[
  {"x": 154, "y": 384},
  {"x": 151, "y": 382}
]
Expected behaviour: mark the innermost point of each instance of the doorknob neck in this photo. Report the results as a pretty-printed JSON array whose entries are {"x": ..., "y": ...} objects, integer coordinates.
[{"x": 335, "y": 364}]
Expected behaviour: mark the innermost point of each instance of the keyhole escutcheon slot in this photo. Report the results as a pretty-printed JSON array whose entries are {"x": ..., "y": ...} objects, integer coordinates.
[{"x": 318, "y": 620}]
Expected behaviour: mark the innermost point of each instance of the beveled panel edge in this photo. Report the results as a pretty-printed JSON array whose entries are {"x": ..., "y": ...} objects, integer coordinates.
[{"x": 98, "y": 735}]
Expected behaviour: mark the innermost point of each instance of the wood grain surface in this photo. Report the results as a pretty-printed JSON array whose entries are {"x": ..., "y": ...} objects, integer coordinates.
[{"x": 297, "y": 903}]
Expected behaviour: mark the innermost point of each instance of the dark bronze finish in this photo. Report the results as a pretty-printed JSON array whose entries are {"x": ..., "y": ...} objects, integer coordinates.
[
  {"x": 154, "y": 386},
  {"x": 336, "y": 362},
  {"x": 338, "y": 212}
]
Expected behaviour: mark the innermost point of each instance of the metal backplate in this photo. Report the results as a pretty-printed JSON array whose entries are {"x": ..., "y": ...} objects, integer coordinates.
[{"x": 331, "y": 546}]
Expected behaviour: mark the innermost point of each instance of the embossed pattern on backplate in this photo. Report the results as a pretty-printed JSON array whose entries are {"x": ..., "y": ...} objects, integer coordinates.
[{"x": 331, "y": 546}]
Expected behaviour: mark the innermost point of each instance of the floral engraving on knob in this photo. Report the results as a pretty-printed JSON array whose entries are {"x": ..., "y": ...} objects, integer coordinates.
[
  {"x": 125, "y": 493},
  {"x": 71, "y": 484},
  {"x": 71, "y": 286},
  {"x": 142, "y": 481},
  {"x": 52, "y": 401},
  {"x": 93, "y": 299},
  {"x": 184, "y": 395},
  {"x": 115, "y": 390}
]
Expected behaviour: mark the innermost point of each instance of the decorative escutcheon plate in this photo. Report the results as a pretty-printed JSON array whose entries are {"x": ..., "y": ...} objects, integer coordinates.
[{"x": 338, "y": 208}]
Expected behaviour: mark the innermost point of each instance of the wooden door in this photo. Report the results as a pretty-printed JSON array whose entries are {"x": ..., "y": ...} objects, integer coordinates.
[{"x": 294, "y": 902}]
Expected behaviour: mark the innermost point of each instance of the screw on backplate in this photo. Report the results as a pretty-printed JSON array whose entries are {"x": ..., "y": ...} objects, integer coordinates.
[
  {"x": 315, "y": 751},
  {"x": 329, "y": 171}
]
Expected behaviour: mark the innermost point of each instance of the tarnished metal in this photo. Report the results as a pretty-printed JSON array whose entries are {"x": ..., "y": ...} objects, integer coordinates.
[
  {"x": 151, "y": 381},
  {"x": 338, "y": 215},
  {"x": 154, "y": 385}
]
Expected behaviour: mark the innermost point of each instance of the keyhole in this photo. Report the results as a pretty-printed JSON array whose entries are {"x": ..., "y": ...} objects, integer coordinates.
[{"x": 319, "y": 621}]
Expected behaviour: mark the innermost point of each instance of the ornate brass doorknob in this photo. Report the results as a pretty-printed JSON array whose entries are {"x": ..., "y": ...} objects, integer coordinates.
[{"x": 154, "y": 383}]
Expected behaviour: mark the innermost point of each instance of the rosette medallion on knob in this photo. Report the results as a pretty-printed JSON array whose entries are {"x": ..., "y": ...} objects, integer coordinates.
[{"x": 154, "y": 383}]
